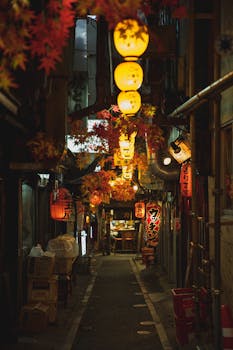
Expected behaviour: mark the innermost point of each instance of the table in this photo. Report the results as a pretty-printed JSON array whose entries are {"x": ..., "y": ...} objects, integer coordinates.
[{"x": 125, "y": 241}]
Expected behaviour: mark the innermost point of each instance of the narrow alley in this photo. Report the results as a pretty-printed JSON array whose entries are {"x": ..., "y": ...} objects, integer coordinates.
[{"x": 119, "y": 304}]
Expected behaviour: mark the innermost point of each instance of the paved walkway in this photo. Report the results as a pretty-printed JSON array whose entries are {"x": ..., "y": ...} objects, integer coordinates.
[
  {"x": 120, "y": 304},
  {"x": 117, "y": 314}
]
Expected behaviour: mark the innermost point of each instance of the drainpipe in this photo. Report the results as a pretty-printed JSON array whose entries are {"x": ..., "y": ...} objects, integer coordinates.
[
  {"x": 217, "y": 199},
  {"x": 193, "y": 254},
  {"x": 204, "y": 95},
  {"x": 164, "y": 172},
  {"x": 217, "y": 229}
]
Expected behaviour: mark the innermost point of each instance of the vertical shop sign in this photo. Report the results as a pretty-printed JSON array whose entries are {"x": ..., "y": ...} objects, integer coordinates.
[{"x": 186, "y": 180}]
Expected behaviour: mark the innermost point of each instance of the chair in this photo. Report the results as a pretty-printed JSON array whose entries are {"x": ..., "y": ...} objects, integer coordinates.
[
  {"x": 117, "y": 243},
  {"x": 128, "y": 240}
]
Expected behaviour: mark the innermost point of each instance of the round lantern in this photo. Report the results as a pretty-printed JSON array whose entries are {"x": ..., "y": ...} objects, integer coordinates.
[
  {"x": 129, "y": 102},
  {"x": 96, "y": 198},
  {"x": 61, "y": 204},
  {"x": 131, "y": 39},
  {"x": 186, "y": 180},
  {"x": 140, "y": 210},
  {"x": 128, "y": 76}
]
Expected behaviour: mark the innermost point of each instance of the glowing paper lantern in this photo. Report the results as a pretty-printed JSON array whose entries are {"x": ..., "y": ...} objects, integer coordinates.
[
  {"x": 153, "y": 223},
  {"x": 186, "y": 180},
  {"x": 61, "y": 204},
  {"x": 140, "y": 210},
  {"x": 126, "y": 144},
  {"x": 129, "y": 102},
  {"x": 127, "y": 172},
  {"x": 96, "y": 198},
  {"x": 128, "y": 76},
  {"x": 130, "y": 39}
]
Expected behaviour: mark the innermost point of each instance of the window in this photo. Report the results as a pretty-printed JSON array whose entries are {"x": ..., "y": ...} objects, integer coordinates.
[{"x": 83, "y": 85}]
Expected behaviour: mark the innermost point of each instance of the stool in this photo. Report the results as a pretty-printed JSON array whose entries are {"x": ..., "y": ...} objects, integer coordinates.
[
  {"x": 117, "y": 242},
  {"x": 128, "y": 244}
]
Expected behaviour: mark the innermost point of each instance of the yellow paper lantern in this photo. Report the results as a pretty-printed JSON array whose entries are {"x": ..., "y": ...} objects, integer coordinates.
[
  {"x": 128, "y": 76},
  {"x": 127, "y": 172},
  {"x": 127, "y": 145},
  {"x": 129, "y": 102},
  {"x": 131, "y": 39}
]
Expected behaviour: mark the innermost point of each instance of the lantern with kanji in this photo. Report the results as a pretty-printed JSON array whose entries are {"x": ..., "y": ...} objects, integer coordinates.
[
  {"x": 61, "y": 204},
  {"x": 186, "y": 180},
  {"x": 153, "y": 223},
  {"x": 140, "y": 210}
]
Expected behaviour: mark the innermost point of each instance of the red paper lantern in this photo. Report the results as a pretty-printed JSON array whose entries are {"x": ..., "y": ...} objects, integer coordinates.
[
  {"x": 96, "y": 198},
  {"x": 186, "y": 180},
  {"x": 153, "y": 223},
  {"x": 140, "y": 210},
  {"x": 60, "y": 204}
]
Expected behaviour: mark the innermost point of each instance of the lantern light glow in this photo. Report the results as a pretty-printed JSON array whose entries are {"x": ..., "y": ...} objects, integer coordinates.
[
  {"x": 127, "y": 145},
  {"x": 140, "y": 210},
  {"x": 129, "y": 102},
  {"x": 130, "y": 39},
  {"x": 60, "y": 204},
  {"x": 128, "y": 76}
]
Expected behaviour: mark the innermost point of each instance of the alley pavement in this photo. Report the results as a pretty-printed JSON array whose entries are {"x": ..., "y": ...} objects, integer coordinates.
[{"x": 115, "y": 302}]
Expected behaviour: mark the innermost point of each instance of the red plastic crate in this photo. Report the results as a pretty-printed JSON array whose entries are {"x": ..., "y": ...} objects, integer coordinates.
[
  {"x": 183, "y": 302},
  {"x": 184, "y": 330}
]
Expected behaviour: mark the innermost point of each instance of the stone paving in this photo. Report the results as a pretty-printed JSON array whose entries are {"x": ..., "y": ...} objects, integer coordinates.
[{"x": 61, "y": 334}]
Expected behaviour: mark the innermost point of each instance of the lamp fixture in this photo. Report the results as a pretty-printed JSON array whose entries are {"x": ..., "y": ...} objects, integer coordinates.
[
  {"x": 175, "y": 147},
  {"x": 167, "y": 160},
  {"x": 180, "y": 149}
]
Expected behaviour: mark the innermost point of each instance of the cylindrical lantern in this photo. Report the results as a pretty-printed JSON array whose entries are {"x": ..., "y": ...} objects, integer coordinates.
[
  {"x": 129, "y": 102},
  {"x": 96, "y": 198},
  {"x": 128, "y": 76},
  {"x": 153, "y": 223},
  {"x": 186, "y": 180},
  {"x": 60, "y": 204},
  {"x": 140, "y": 210},
  {"x": 131, "y": 39},
  {"x": 127, "y": 172},
  {"x": 126, "y": 144}
]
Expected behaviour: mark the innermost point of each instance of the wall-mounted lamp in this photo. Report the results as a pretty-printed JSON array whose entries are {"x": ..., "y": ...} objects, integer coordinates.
[
  {"x": 180, "y": 150},
  {"x": 167, "y": 160},
  {"x": 43, "y": 180},
  {"x": 175, "y": 147}
]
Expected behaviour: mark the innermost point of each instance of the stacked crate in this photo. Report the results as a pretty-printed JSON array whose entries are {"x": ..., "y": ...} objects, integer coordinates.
[
  {"x": 63, "y": 268},
  {"x": 42, "y": 287},
  {"x": 184, "y": 312}
]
